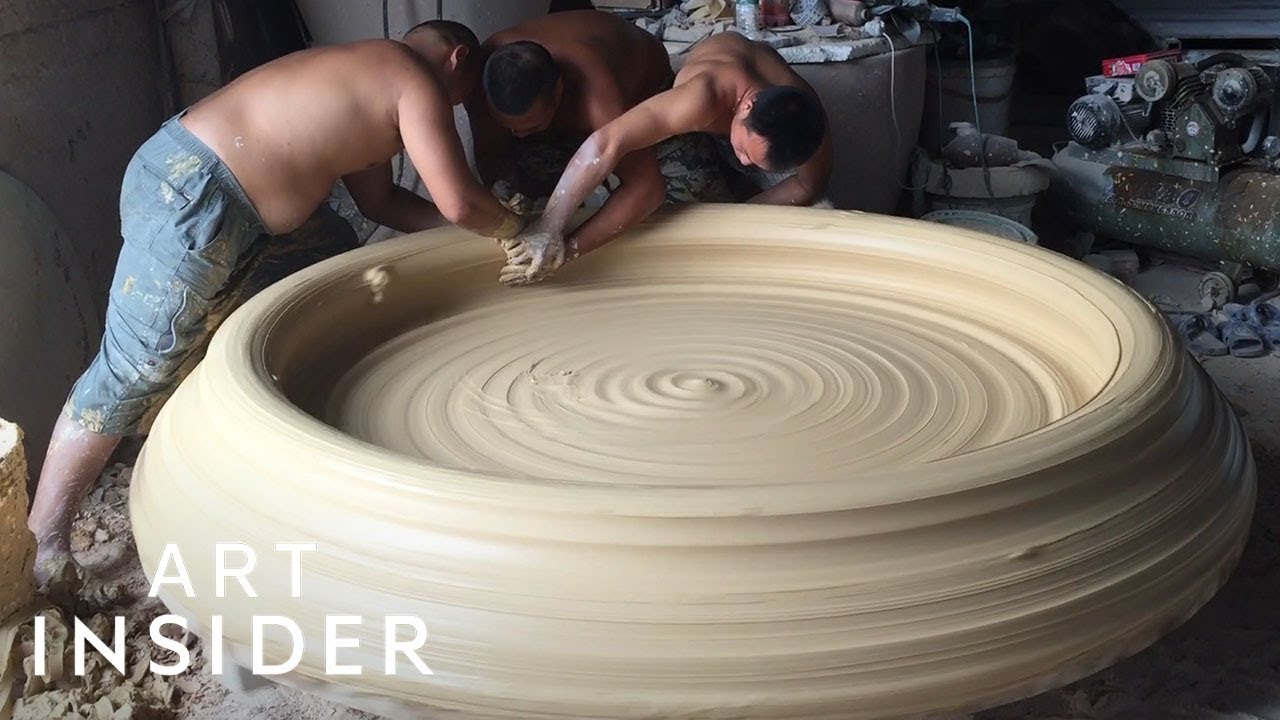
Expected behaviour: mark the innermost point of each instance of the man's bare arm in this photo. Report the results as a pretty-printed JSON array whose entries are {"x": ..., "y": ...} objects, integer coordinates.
[
  {"x": 432, "y": 143},
  {"x": 382, "y": 201},
  {"x": 808, "y": 184},
  {"x": 642, "y": 191},
  {"x": 540, "y": 248},
  {"x": 674, "y": 112},
  {"x": 642, "y": 188}
]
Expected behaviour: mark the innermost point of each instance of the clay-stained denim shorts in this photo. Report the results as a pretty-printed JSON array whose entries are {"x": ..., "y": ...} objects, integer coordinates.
[{"x": 194, "y": 249}]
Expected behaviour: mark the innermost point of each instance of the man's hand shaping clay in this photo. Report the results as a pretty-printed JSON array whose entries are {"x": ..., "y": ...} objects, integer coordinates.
[{"x": 533, "y": 255}]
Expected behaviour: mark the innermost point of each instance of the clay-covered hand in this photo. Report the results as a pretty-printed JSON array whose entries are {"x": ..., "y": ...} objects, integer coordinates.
[{"x": 533, "y": 255}]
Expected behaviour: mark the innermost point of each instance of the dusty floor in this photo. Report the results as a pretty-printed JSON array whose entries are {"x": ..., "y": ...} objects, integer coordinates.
[{"x": 1224, "y": 663}]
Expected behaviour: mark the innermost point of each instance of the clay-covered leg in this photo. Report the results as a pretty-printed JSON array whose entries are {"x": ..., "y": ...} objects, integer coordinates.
[{"x": 75, "y": 459}]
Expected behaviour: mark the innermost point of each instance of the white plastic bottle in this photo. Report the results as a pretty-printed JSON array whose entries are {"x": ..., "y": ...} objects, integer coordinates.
[{"x": 748, "y": 18}]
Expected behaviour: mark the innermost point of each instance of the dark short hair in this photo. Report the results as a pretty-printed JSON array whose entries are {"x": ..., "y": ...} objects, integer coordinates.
[
  {"x": 449, "y": 30},
  {"x": 791, "y": 121},
  {"x": 516, "y": 75}
]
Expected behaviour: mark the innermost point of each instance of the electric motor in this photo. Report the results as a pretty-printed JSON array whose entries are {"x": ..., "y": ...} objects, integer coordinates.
[{"x": 1094, "y": 120}]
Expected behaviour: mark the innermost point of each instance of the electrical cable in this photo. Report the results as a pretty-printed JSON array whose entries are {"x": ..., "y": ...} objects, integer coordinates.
[
  {"x": 977, "y": 118},
  {"x": 893, "y": 110},
  {"x": 946, "y": 181}
]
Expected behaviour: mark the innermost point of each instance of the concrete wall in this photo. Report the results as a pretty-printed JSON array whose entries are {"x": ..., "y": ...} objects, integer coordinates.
[
  {"x": 80, "y": 89},
  {"x": 339, "y": 21},
  {"x": 192, "y": 51},
  {"x": 871, "y": 154}
]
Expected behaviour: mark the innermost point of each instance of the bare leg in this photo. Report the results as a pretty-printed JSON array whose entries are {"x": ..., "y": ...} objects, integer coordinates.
[{"x": 75, "y": 459}]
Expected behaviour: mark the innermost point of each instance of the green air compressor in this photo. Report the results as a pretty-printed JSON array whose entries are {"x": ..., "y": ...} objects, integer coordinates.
[{"x": 1180, "y": 157}]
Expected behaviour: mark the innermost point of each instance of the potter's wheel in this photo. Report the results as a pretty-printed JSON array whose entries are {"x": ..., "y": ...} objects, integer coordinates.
[{"x": 746, "y": 462}]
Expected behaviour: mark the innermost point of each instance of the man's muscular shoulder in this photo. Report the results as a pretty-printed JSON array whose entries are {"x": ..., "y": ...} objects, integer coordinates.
[{"x": 701, "y": 82}]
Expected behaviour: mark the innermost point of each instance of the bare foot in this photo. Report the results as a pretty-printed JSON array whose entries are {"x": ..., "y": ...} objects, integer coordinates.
[
  {"x": 51, "y": 556},
  {"x": 58, "y": 576}
]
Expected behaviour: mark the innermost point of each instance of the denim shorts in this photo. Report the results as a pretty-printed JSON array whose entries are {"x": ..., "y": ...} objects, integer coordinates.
[{"x": 194, "y": 249}]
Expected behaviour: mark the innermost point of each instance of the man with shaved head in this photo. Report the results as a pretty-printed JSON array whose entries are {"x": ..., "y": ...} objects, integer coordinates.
[{"x": 225, "y": 198}]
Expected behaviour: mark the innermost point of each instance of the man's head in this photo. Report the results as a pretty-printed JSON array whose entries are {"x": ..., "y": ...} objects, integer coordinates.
[
  {"x": 523, "y": 86},
  {"x": 778, "y": 129},
  {"x": 450, "y": 48}
]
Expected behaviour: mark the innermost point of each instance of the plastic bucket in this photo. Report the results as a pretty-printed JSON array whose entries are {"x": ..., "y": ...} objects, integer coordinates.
[
  {"x": 1017, "y": 208},
  {"x": 985, "y": 223}
]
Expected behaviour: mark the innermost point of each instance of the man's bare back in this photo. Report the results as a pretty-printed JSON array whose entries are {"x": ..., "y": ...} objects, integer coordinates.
[
  {"x": 290, "y": 129},
  {"x": 278, "y": 128}
]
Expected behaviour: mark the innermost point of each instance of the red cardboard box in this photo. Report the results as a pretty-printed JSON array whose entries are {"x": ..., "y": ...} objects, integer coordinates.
[{"x": 1128, "y": 65}]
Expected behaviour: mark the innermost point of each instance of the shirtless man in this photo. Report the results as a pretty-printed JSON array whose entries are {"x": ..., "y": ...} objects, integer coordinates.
[
  {"x": 767, "y": 116},
  {"x": 207, "y": 199},
  {"x": 555, "y": 80}
]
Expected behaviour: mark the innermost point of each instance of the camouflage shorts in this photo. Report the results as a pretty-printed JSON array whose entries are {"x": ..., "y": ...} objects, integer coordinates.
[
  {"x": 692, "y": 170},
  {"x": 194, "y": 250}
]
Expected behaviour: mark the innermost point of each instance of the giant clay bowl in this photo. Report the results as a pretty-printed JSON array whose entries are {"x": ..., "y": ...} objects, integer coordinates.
[{"x": 743, "y": 463}]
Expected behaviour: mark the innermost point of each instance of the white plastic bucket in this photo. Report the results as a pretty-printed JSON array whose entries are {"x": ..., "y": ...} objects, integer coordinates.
[
  {"x": 985, "y": 223},
  {"x": 1017, "y": 208}
]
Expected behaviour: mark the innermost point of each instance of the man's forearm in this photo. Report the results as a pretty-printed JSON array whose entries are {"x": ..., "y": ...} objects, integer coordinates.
[
  {"x": 587, "y": 170},
  {"x": 407, "y": 212},
  {"x": 630, "y": 204},
  {"x": 483, "y": 215}
]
